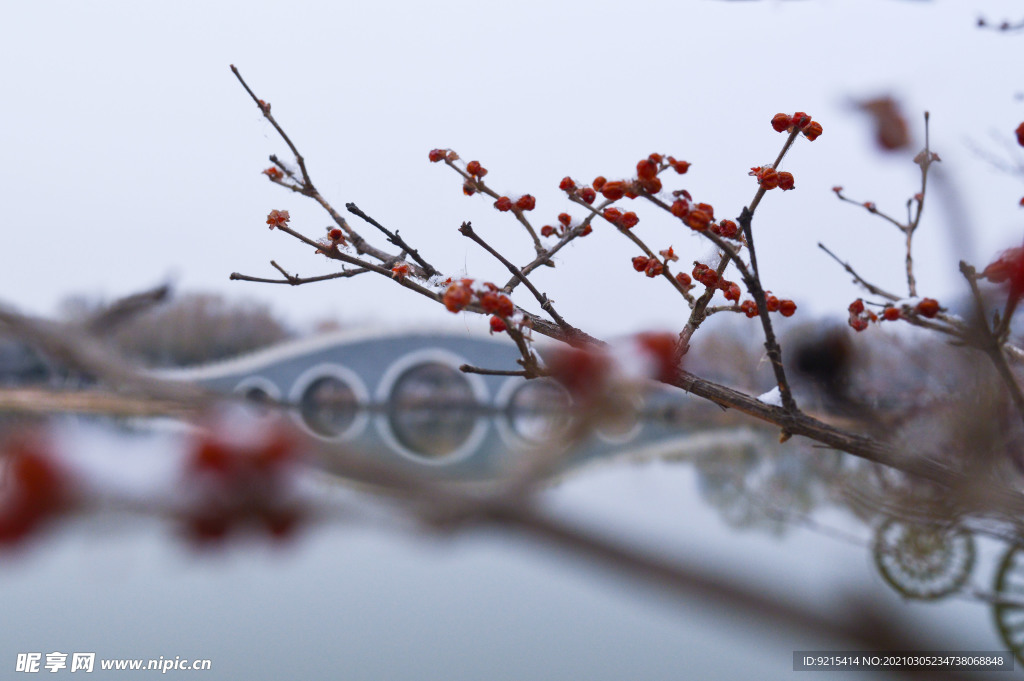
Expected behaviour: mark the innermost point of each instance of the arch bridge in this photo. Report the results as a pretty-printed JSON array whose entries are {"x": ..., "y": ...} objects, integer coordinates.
[{"x": 401, "y": 396}]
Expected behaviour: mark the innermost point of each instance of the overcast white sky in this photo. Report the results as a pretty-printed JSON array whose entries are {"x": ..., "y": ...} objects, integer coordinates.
[{"x": 130, "y": 156}]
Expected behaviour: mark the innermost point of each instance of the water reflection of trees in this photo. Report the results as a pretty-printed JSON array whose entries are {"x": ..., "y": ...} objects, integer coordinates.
[{"x": 919, "y": 548}]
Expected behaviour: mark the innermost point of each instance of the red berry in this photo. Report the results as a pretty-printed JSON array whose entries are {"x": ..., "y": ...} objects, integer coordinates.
[
  {"x": 781, "y": 122},
  {"x": 612, "y": 215},
  {"x": 588, "y": 195},
  {"x": 705, "y": 275},
  {"x": 652, "y": 186},
  {"x": 769, "y": 178},
  {"x": 771, "y": 303},
  {"x": 526, "y": 202},
  {"x": 474, "y": 168},
  {"x": 679, "y": 166},
  {"x": 733, "y": 292},
  {"x": 503, "y": 204},
  {"x": 929, "y": 307},
  {"x": 599, "y": 181},
  {"x": 646, "y": 169},
  {"x": 856, "y": 307},
  {"x": 684, "y": 279},
  {"x": 567, "y": 184},
  {"x": 749, "y": 308},
  {"x": 613, "y": 191},
  {"x": 497, "y": 325},
  {"x": 654, "y": 268},
  {"x": 457, "y": 296},
  {"x": 813, "y": 131},
  {"x": 698, "y": 220},
  {"x": 654, "y": 158},
  {"x": 787, "y": 308},
  {"x": 640, "y": 263},
  {"x": 680, "y": 208},
  {"x": 858, "y": 323},
  {"x": 468, "y": 189},
  {"x": 547, "y": 230},
  {"x": 891, "y": 313},
  {"x": 1020, "y": 134},
  {"x": 278, "y": 218},
  {"x": 728, "y": 229},
  {"x": 629, "y": 220},
  {"x": 785, "y": 181},
  {"x": 437, "y": 155}
]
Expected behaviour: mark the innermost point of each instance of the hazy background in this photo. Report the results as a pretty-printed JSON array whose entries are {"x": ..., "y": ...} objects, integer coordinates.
[{"x": 132, "y": 156}]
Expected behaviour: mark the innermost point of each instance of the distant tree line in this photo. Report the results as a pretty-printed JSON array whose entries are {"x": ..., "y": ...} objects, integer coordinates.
[{"x": 191, "y": 328}]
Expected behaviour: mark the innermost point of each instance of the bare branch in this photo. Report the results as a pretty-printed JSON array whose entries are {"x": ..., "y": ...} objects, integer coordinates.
[
  {"x": 395, "y": 239},
  {"x": 875, "y": 290}
]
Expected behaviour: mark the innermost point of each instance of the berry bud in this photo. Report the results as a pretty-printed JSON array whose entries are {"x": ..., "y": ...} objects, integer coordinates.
[
  {"x": 781, "y": 122},
  {"x": 526, "y": 202}
]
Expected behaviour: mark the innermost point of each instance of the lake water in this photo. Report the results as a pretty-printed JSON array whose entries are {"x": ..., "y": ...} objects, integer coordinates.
[{"x": 374, "y": 596}]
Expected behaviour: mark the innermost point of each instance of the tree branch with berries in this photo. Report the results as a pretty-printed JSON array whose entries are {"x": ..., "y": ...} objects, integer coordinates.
[{"x": 586, "y": 364}]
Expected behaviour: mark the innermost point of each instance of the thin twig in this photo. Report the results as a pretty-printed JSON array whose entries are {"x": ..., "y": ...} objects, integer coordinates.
[
  {"x": 868, "y": 286},
  {"x": 481, "y": 186},
  {"x": 395, "y": 239},
  {"x": 467, "y": 230},
  {"x": 294, "y": 280},
  {"x": 753, "y": 283}
]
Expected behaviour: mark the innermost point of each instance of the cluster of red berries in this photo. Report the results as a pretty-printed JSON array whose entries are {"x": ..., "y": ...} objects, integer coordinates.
[
  {"x": 462, "y": 293},
  {"x": 246, "y": 482},
  {"x": 442, "y": 155},
  {"x": 860, "y": 316},
  {"x": 647, "y": 181},
  {"x": 798, "y": 121},
  {"x": 586, "y": 194},
  {"x": 627, "y": 220},
  {"x": 477, "y": 171},
  {"x": 697, "y": 217},
  {"x": 784, "y": 306},
  {"x": 278, "y": 218},
  {"x": 564, "y": 221},
  {"x": 523, "y": 203},
  {"x": 769, "y": 178},
  {"x": 710, "y": 278},
  {"x": 37, "y": 488},
  {"x": 652, "y": 267}
]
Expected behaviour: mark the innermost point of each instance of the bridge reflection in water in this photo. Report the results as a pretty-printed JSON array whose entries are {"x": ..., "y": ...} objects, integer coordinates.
[{"x": 403, "y": 398}]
